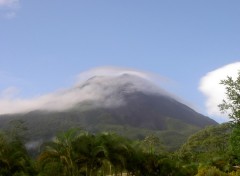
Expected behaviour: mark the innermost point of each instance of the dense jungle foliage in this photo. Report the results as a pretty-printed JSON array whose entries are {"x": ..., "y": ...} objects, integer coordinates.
[{"x": 76, "y": 152}]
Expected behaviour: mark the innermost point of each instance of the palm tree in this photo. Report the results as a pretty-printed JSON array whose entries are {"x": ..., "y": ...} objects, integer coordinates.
[
  {"x": 152, "y": 144},
  {"x": 89, "y": 153},
  {"x": 96, "y": 152},
  {"x": 116, "y": 151},
  {"x": 59, "y": 154},
  {"x": 72, "y": 154},
  {"x": 13, "y": 157}
]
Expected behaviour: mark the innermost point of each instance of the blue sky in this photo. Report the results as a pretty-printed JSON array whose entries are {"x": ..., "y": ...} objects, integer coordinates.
[{"x": 45, "y": 44}]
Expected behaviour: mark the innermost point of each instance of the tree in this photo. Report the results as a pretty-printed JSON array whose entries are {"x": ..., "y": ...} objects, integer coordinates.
[
  {"x": 14, "y": 158},
  {"x": 58, "y": 156},
  {"x": 89, "y": 153},
  {"x": 83, "y": 153},
  {"x": 152, "y": 144},
  {"x": 117, "y": 150},
  {"x": 232, "y": 104},
  {"x": 209, "y": 145}
]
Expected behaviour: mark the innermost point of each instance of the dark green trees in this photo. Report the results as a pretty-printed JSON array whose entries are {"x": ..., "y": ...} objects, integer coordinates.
[
  {"x": 209, "y": 146},
  {"x": 14, "y": 158},
  {"x": 58, "y": 156},
  {"x": 73, "y": 153},
  {"x": 89, "y": 153},
  {"x": 79, "y": 153}
]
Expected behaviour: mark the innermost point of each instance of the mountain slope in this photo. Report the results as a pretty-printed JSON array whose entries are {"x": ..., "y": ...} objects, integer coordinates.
[{"x": 126, "y": 104}]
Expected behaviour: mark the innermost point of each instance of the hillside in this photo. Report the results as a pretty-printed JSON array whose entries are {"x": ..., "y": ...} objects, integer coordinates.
[{"x": 127, "y": 104}]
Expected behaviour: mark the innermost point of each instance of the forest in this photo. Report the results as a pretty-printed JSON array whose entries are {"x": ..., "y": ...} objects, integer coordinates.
[{"x": 76, "y": 152}]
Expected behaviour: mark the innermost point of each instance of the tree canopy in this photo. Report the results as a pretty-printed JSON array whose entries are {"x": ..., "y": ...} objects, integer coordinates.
[{"x": 231, "y": 104}]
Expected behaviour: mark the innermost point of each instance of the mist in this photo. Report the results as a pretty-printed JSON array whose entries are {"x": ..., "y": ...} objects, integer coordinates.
[{"x": 100, "y": 85}]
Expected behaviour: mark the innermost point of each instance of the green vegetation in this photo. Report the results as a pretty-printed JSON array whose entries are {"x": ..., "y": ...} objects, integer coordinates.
[
  {"x": 14, "y": 158},
  {"x": 76, "y": 152},
  {"x": 45, "y": 126},
  {"x": 231, "y": 105},
  {"x": 141, "y": 115},
  {"x": 211, "y": 142}
]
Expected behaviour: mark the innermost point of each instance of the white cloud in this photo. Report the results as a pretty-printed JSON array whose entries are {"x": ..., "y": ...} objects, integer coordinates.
[
  {"x": 112, "y": 71},
  {"x": 215, "y": 92},
  {"x": 97, "y": 84},
  {"x": 8, "y": 8},
  {"x": 9, "y": 3}
]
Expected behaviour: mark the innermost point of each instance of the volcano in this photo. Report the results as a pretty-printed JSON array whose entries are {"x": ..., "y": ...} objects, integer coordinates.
[{"x": 126, "y": 104}]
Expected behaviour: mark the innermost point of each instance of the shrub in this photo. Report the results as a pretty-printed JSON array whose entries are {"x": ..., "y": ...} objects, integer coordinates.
[
  {"x": 234, "y": 173},
  {"x": 210, "y": 171}
]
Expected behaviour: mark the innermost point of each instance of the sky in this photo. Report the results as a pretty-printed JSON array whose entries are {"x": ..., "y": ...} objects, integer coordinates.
[{"x": 46, "y": 45}]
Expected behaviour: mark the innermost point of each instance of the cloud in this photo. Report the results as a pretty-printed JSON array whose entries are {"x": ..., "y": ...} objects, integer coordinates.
[
  {"x": 101, "y": 85},
  {"x": 8, "y": 8},
  {"x": 9, "y": 3},
  {"x": 9, "y": 93},
  {"x": 112, "y": 72},
  {"x": 215, "y": 92}
]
